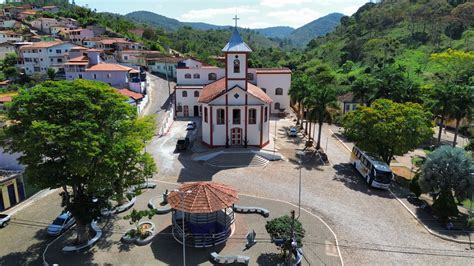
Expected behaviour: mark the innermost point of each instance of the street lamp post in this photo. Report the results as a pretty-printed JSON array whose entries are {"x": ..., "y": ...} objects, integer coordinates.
[
  {"x": 181, "y": 196},
  {"x": 300, "y": 155}
]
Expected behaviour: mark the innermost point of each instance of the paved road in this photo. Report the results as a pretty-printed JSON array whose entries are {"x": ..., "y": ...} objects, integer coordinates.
[
  {"x": 372, "y": 226},
  {"x": 159, "y": 97}
]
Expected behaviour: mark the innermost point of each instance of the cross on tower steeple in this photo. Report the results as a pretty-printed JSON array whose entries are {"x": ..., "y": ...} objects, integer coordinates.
[{"x": 236, "y": 18}]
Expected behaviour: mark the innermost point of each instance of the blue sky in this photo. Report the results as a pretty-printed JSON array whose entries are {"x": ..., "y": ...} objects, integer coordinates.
[{"x": 253, "y": 14}]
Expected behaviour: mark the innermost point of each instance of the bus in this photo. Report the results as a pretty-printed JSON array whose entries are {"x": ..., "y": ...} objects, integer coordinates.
[{"x": 375, "y": 172}]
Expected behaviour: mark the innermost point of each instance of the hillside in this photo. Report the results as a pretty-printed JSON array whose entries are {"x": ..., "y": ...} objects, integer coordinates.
[
  {"x": 280, "y": 32},
  {"x": 402, "y": 34},
  {"x": 319, "y": 27}
]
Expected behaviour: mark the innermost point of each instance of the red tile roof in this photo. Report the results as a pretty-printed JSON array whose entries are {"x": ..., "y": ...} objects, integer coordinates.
[
  {"x": 109, "y": 67},
  {"x": 212, "y": 91},
  {"x": 273, "y": 71},
  {"x": 217, "y": 88},
  {"x": 202, "y": 197},
  {"x": 5, "y": 99},
  {"x": 41, "y": 45},
  {"x": 131, "y": 94}
]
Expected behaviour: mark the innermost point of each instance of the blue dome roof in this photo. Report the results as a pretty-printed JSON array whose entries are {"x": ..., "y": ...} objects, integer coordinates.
[{"x": 236, "y": 44}]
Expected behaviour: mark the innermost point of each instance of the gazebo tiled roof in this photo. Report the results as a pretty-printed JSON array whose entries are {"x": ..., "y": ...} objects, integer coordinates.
[{"x": 202, "y": 197}]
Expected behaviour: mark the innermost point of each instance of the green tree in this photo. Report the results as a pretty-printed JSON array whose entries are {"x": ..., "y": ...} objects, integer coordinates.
[
  {"x": 462, "y": 106},
  {"x": 447, "y": 172},
  {"x": 441, "y": 102},
  {"x": 10, "y": 60},
  {"x": 280, "y": 228},
  {"x": 83, "y": 137},
  {"x": 51, "y": 73},
  {"x": 364, "y": 88},
  {"x": 11, "y": 72},
  {"x": 387, "y": 128},
  {"x": 456, "y": 66},
  {"x": 298, "y": 91}
]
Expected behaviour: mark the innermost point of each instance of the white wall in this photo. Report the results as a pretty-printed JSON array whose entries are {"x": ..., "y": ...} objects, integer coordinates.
[
  {"x": 190, "y": 101},
  {"x": 273, "y": 81},
  {"x": 203, "y": 75},
  {"x": 44, "y": 58}
]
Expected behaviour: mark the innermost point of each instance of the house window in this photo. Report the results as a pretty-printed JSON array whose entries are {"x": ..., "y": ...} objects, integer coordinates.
[
  {"x": 249, "y": 76},
  {"x": 95, "y": 76},
  {"x": 60, "y": 60},
  {"x": 196, "y": 76},
  {"x": 58, "y": 51},
  {"x": 236, "y": 116},
  {"x": 252, "y": 116},
  {"x": 125, "y": 58},
  {"x": 266, "y": 114},
  {"x": 279, "y": 91},
  {"x": 109, "y": 76},
  {"x": 184, "y": 94},
  {"x": 236, "y": 65},
  {"x": 187, "y": 76},
  {"x": 196, "y": 93},
  {"x": 205, "y": 114},
  {"x": 212, "y": 76},
  {"x": 80, "y": 76},
  {"x": 220, "y": 116}
]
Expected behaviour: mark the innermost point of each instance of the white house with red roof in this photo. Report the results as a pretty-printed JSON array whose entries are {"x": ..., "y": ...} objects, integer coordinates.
[
  {"x": 87, "y": 64},
  {"x": 234, "y": 102},
  {"x": 39, "y": 56}
]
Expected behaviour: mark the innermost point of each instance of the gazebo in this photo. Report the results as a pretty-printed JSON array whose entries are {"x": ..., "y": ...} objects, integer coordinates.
[{"x": 203, "y": 211}]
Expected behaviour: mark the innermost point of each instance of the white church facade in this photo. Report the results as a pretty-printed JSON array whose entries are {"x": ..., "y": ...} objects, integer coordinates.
[{"x": 235, "y": 102}]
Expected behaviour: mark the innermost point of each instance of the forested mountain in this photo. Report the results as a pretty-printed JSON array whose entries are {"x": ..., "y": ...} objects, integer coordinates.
[
  {"x": 319, "y": 27},
  {"x": 298, "y": 37},
  {"x": 400, "y": 34}
]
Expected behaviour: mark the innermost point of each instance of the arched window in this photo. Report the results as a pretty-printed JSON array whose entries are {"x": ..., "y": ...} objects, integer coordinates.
[
  {"x": 220, "y": 116},
  {"x": 252, "y": 116},
  {"x": 196, "y": 76},
  {"x": 236, "y": 66},
  {"x": 212, "y": 76},
  {"x": 249, "y": 76},
  {"x": 187, "y": 76},
  {"x": 279, "y": 91},
  {"x": 184, "y": 93},
  {"x": 277, "y": 106},
  {"x": 196, "y": 93}
]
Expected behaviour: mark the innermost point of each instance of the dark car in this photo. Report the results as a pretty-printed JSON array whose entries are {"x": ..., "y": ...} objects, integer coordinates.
[{"x": 182, "y": 144}]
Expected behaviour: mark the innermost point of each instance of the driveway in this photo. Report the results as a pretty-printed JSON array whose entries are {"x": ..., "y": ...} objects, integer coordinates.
[{"x": 372, "y": 226}]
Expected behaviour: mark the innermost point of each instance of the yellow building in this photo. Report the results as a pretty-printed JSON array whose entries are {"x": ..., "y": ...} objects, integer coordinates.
[{"x": 12, "y": 190}]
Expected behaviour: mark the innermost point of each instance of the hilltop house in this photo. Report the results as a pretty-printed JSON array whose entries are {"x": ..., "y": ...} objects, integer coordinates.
[
  {"x": 75, "y": 36},
  {"x": 38, "y": 57},
  {"x": 90, "y": 66},
  {"x": 234, "y": 102},
  {"x": 165, "y": 65},
  {"x": 10, "y": 36}
]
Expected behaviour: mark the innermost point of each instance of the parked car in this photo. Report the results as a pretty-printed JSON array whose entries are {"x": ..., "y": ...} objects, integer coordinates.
[
  {"x": 182, "y": 144},
  {"x": 191, "y": 126},
  {"x": 292, "y": 132},
  {"x": 63, "y": 222},
  {"x": 4, "y": 219}
]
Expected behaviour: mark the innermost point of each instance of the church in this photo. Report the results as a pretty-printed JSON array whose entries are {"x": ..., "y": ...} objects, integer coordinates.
[{"x": 234, "y": 102}]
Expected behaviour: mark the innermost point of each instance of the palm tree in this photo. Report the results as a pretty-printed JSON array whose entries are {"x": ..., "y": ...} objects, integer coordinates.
[
  {"x": 363, "y": 89},
  {"x": 321, "y": 97},
  {"x": 297, "y": 92},
  {"x": 462, "y": 106},
  {"x": 441, "y": 103}
]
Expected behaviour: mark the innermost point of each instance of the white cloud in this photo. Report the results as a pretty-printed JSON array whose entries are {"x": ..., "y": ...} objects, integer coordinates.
[
  {"x": 294, "y": 17},
  {"x": 350, "y": 10},
  {"x": 282, "y": 3},
  {"x": 197, "y": 14}
]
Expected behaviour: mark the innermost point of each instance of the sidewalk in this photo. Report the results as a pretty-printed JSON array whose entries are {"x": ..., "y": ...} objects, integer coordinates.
[{"x": 423, "y": 216}]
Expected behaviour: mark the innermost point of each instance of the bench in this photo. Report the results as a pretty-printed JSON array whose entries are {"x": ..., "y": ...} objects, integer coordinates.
[
  {"x": 241, "y": 209},
  {"x": 145, "y": 185},
  {"x": 92, "y": 241},
  {"x": 125, "y": 207},
  {"x": 229, "y": 259},
  {"x": 164, "y": 210}
]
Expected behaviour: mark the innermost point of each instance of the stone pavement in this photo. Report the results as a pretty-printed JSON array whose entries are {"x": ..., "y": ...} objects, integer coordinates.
[{"x": 319, "y": 244}]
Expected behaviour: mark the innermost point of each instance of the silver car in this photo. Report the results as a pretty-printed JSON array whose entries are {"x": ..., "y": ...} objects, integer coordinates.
[{"x": 63, "y": 222}]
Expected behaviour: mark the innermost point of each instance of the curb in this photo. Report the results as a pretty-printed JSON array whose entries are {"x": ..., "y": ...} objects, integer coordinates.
[
  {"x": 412, "y": 214},
  {"x": 39, "y": 195},
  {"x": 289, "y": 203}
]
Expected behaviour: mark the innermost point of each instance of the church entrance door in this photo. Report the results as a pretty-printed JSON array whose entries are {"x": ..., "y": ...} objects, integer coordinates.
[{"x": 236, "y": 136}]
